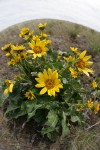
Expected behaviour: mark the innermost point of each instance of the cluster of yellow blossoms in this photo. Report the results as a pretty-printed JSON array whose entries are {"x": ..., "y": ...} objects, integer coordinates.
[
  {"x": 80, "y": 62},
  {"x": 15, "y": 53},
  {"x": 93, "y": 105},
  {"x": 38, "y": 46},
  {"x": 9, "y": 85},
  {"x": 48, "y": 80}
]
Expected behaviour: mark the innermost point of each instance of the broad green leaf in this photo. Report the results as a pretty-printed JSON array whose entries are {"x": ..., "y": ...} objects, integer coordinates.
[
  {"x": 46, "y": 130},
  {"x": 50, "y": 132},
  {"x": 75, "y": 118},
  {"x": 40, "y": 116},
  {"x": 30, "y": 106},
  {"x": 96, "y": 93},
  {"x": 3, "y": 97},
  {"x": 65, "y": 128},
  {"x": 19, "y": 113},
  {"x": 52, "y": 118},
  {"x": 75, "y": 83},
  {"x": 11, "y": 108},
  {"x": 52, "y": 136},
  {"x": 64, "y": 81},
  {"x": 36, "y": 107}
]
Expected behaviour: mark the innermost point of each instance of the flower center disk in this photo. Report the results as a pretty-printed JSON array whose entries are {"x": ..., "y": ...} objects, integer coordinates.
[
  {"x": 37, "y": 49},
  {"x": 81, "y": 64},
  {"x": 49, "y": 83}
]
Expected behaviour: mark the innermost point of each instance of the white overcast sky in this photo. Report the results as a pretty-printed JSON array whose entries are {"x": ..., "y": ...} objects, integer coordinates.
[{"x": 85, "y": 12}]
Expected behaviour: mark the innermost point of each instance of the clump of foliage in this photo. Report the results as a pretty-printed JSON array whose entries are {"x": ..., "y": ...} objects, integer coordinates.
[
  {"x": 49, "y": 87},
  {"x": 74, "y": 32},
  {"x": 2, "y": 97}
]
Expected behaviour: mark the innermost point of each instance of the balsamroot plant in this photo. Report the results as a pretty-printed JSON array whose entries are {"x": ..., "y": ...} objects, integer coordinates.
[{"x": 49, "y": 86}]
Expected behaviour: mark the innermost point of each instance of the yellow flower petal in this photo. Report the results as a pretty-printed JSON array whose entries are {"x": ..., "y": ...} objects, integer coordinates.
[
  {"x": 43, "y": 91},
  {"x": 81, "y": 55},
  {"x": 5, "y": 91},
  {"x": 11, "y": 88},
  {"x": 86, "y": 58},
  {"x": 30, "y": 51},
  {"x": 40, "y": 85}
]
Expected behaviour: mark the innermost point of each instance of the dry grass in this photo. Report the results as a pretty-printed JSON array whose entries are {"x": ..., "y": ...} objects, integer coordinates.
[
  {"x": 82, "y": 37},
  {"x": 86, "y": 140}
]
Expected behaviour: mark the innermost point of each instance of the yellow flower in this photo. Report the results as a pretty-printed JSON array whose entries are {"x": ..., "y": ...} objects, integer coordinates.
[
  {"x": 73, "y": 72},
  {"x": 59, "y": 56},
  {"x": 43, "y": 35},
  {"x": 18, "y": 47},
  {"x": 90, "y": 103},
  {"x": 29, "y": 36},
  {"x": 36, "y": 37},
  {"x": 15, "y": 60},
  {"x": 79, "y": 107},
  {"x": 22, "y": 55},
  {"x": 23, "y": 32},
  {"x": 38, "y": 48},
  {"x": 94, "y": 84},
  {"x": 83, "y": 62},
  {"x": 73, "y": 49},
  {"x": 9, "y": 85},
  {"x": 69, "y": 59},
  {"x": 11, "y": 62},
  {"x": 8, "y": 54},
  {"x": 48, "y": 80},
  {"x": 30, "y": 95},
  {"x": 96, "y": 107},
  {"x": 42, "y": 26},
  {"x": 47, "y": 42},
  {"x": 7, "y": 47}
]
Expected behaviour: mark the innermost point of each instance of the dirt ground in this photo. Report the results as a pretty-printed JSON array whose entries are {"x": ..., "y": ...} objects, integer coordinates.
[{"x": 12, "y": 135}]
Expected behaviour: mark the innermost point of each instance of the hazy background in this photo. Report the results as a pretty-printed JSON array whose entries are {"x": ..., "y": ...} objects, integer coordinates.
[{"x": 85, "y": 12}]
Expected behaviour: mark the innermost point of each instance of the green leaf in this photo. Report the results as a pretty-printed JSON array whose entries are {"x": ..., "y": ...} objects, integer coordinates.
[
  {"x": 65, "y": 128},
  {"x": 50, "y": 132},
  {"x": 40, "y": 116},
  {"x": 35, "y": 108},
  {"x": 52, "y": 118},
  {"x": 76, "y": 96},
  {"x": 46, "y": 130},
  {"x": 75, "y": 83},
  {"x": 18, "y": 113},
  {"x": 96, "y": 93},
  {"x": 3, "y": 97},
  {"x": 58, "y": 64},
  {"x": 30, "y": 106},
  {"x": 51, "y": 136},
  {"x": 75, "y": 118},
  {"x": 65, "y": 81},
  {"x": 10, "y": 108}
]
